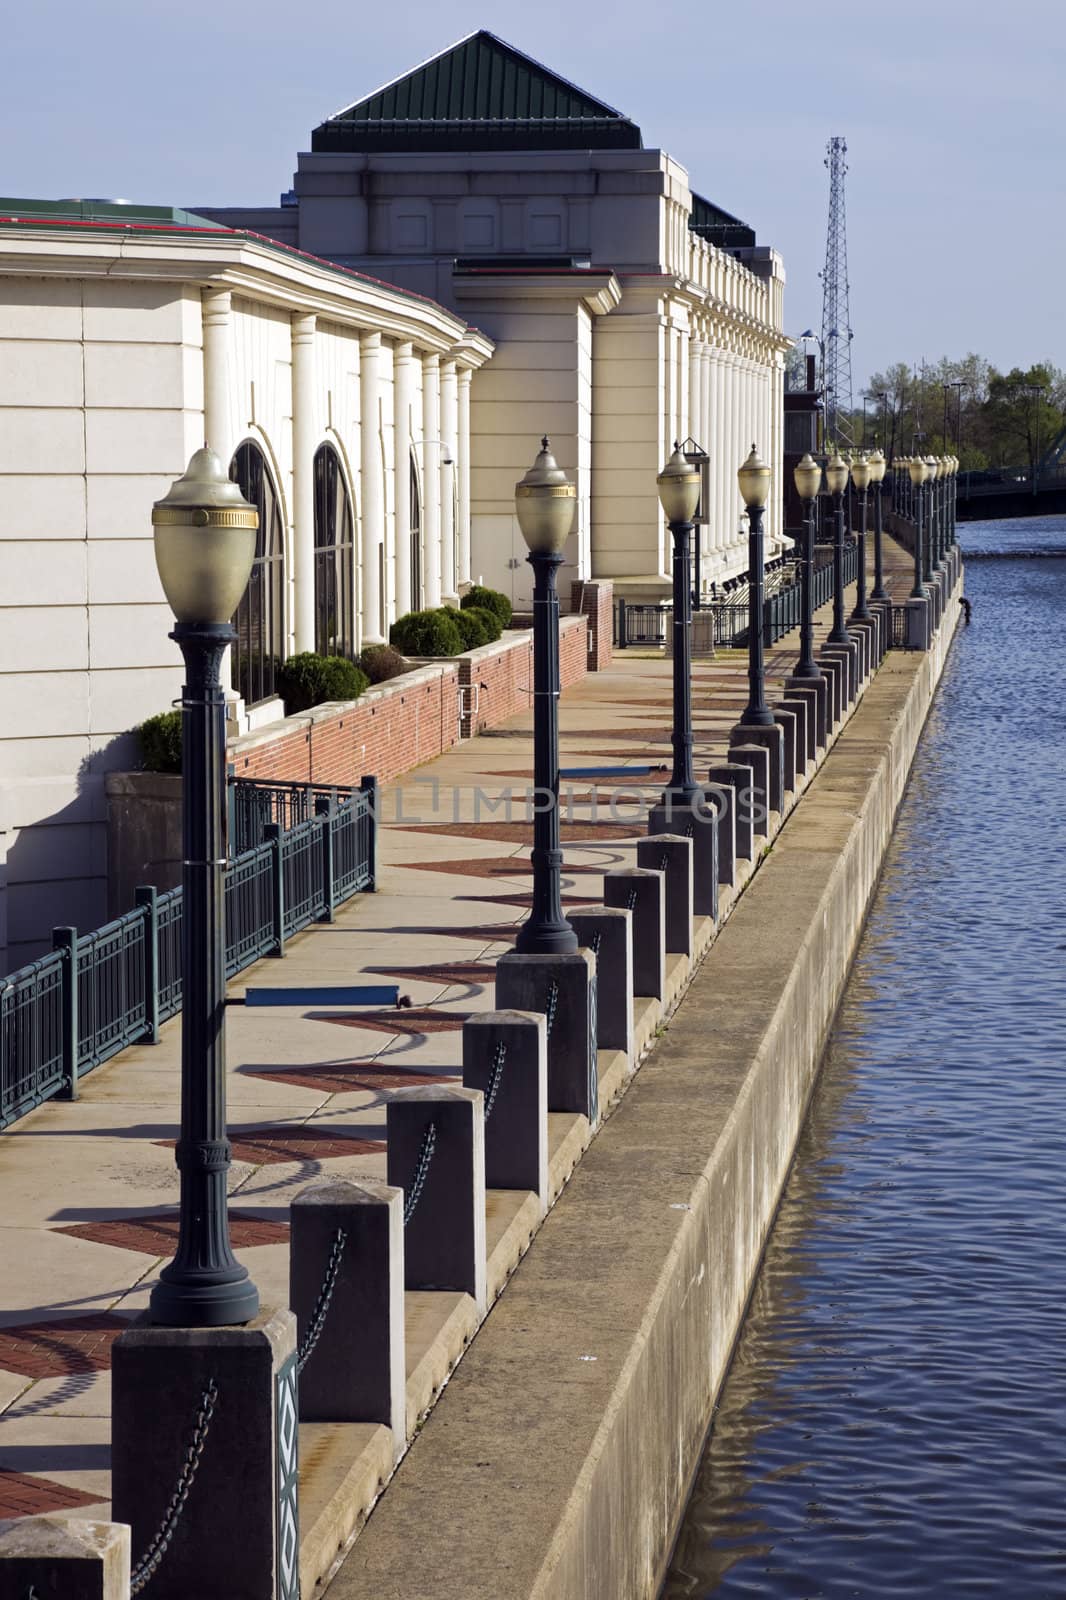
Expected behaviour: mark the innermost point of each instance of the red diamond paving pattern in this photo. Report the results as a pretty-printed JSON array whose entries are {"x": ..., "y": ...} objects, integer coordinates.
[
  {"x": 407, "y": 1024},
  {"x": 264, "y": 1146},
  {"x": 352, "y": 1075},
  {"x": 22, "y": 1496},
  {"x": 64, "y": 1345},
  {"x": 495, "y": 866},
  {"x": 519, "y": 832},
  {"x": 446, "y": 972},
  {"x": 156, "y": 1235}
]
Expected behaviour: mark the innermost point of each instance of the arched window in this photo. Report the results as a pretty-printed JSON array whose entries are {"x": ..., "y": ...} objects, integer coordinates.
[
  {"x": 416, "y": 541},
  {"x": 260, "y": 618},
  {"x": 334, "y": 558}
]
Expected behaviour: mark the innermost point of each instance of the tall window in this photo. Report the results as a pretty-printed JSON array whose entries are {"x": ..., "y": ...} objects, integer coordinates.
[
  {"x": 260, "y": 618},
  {"x": 334, "y": 559},
  {"x": 416, "y": 542}
]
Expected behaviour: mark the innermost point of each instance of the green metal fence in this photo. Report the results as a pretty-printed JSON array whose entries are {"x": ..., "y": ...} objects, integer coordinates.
[{"x": 98, "y": 992}]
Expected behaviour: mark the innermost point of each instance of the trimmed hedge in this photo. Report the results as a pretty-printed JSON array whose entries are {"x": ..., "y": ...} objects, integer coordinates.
[
  {"x": 381, "y": 662},
  {"x": 490, "y": 622},
  {"x": 159, "y": 739},
  {"x": 490, "y": 600},
  {"x": 474, "y": 628},
  {"x": 307, "y": 680},
  {"x": 427, "y": 633}
]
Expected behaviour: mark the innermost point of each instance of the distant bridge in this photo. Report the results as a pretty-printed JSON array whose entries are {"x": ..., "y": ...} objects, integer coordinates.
[{"x": 1014, "y": 492}]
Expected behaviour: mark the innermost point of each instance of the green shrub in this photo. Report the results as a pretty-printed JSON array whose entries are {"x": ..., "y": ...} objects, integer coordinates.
[
  {"x": 381, "y": 662},
  {"x": 307, "y": 680},
  {"x": 160, "y": 742},
  {"x": 490, "y": 599},
  {"x": 427, "y": 633},
  {"x": 489, "y": 620},
  {"x": 471, "y": 625}
]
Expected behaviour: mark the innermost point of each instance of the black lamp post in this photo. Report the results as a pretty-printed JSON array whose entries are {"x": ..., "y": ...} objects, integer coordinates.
[
  {"x": 679, "y": 494},
  {"x": 204, "y": 547},
  {"x": 836, "y": 476},
  {"x": 754, "y": 480},
  {"x": 916, "y": 471},
  {"x": 877, "y": 475},
  {"x": 861, "y": 475},
  {"x": 807, "y": 475},
  {"x": 931, "y": 523},
  {"x": 544, "y": 504}
]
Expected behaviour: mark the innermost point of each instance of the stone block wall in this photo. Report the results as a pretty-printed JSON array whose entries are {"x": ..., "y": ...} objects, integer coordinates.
[{"x": 594, "y": 601}]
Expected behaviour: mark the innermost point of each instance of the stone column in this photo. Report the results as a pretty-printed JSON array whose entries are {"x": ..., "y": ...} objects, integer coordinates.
[
  {"x": 717, "y": 446},
  {"x": 372, "y": 509},
  {"x": 695, "y": 397},
  {"x": 431, "y": 479},
  {"x": 404, "y": 369},
  {"x": 449, "y": 429},
  {"x": 216, "y": 308},
  {"x": 303, "y": 481},
  {"x": 465, "y": 376}
]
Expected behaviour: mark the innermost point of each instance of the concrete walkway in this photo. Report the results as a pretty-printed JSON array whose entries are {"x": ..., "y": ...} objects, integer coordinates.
[{"x": 90, "y": 1188}]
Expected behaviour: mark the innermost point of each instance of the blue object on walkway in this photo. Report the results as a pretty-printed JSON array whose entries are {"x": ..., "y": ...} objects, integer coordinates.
[{"x": 365, "y": 994}]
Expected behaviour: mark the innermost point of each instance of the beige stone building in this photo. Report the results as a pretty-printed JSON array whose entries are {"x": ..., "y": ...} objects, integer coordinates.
[
  {"x": 627, "y": 311},
  {"x": 127, "y": 337}
]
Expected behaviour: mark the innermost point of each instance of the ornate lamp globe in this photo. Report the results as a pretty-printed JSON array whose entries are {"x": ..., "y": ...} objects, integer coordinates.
[
  {"x": 807, "y": 476},
  {"x": 544, "y": 504},
  {"x": 877, "y": 466},
  {"x": 861, "y": 474},
  {"x": 836, "y": 473},
  {"x": 916, "y": 469},
  {"x": 930, "y": 468},
  {"x": 754, "y": 480},
  {"x": 679, "y": 488},
  {"x": 204, "y": 533}
]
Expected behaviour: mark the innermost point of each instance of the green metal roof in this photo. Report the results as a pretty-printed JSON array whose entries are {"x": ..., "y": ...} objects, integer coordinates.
[
  {"x": 480, "y": 94},
  {"x": 90, "y": 211},
  {"x": 719, "y": 227}
]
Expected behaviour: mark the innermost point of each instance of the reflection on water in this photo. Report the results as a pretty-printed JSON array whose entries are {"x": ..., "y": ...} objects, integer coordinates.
[{"x": 894, "y": 1422}]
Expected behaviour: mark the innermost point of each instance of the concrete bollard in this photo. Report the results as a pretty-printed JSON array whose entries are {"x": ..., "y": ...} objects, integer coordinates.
[
  {"x": 564, "y": 988},
  {"x": 505, "y": 1055},
  {"x": 722, "y": 798},
  {"x": 234, "y": 1390},
  {"x": 849, "y": 655},
  {"x": 786, "y": 721},
  {"x": 608, "y": 932},
  {"x": 802, "y": 709},
  {"x": 51, "y": 1558},
  {"x": 436, "y": 1155},
  {"x": 772, "y": 740},
  {"x": 833, "y": 671},
  {"x": 812, "y": 698},
  {"x": 642, "y": 893},
  {"x": 699, "y": 823},
  {"x": 671, "y": 854},
  {"x": 346, "y": 1277},
  {"x": 917, "y": 628},
  {"x": 756, "y": 758},
  {"x": 734, "y": 777}
]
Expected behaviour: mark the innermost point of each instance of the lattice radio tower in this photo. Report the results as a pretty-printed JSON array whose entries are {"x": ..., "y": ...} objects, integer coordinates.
[{"x": 836, "y": 321}]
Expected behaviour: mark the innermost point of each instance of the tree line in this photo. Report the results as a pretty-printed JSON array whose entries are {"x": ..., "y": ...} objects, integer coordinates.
[{"x": 989, "y": 419}]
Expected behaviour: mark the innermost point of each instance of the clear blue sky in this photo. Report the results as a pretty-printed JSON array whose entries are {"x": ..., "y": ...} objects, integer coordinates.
[{"x": 953, "y": 116}]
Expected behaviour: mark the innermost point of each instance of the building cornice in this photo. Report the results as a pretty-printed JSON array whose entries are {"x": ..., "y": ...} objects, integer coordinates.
[{"x": 599, "y": 291}]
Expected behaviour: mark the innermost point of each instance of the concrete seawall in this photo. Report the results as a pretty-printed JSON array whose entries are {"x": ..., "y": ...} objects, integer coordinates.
[{"x": 557, "y": 1462}]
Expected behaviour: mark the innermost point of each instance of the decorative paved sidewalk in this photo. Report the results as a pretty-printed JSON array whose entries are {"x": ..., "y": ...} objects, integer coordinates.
[{"x": 90, "y": 1188}]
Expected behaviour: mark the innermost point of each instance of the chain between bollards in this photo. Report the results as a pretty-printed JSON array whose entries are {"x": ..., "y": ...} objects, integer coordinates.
[
  {"x": 494, "y": 1081},
  {"x": 553, "y": 1001},
  {"x": 425, "y": 1156},
  {"x": 597, "y": 939},
  {"x": 321, "y": 1311},
  {"x": 632, "y": 901},
  {"x": 146, "y": 1568}
]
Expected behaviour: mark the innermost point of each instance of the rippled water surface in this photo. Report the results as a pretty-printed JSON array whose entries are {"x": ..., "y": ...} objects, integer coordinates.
[{"x": 894, "y": 1422}]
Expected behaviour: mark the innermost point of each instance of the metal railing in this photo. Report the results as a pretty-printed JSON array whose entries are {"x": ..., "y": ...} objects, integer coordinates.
[
  {"x": 723, "y": 623},
  {"x": 98, "y": 992}
]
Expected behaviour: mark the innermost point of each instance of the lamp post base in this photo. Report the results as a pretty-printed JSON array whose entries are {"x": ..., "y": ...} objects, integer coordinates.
[
  {"x": 546, "y": 939},
  {"x": 204, "y": 1299}
]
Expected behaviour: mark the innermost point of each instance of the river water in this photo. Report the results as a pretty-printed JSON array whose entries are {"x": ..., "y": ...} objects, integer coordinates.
[{"x": 894, "y": 1419}]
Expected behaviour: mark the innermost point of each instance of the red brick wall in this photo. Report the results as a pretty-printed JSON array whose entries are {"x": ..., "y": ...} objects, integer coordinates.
[
  {"x": 594, "y": 601},
  {"x": 389, "y": 730},
  {"x": 408, "y": 721}
]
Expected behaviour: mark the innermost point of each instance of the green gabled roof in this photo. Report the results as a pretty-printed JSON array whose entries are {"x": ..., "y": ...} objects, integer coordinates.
[
  {"x": 480, "y": 94},
  {"x": 719, "y": 227}
]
